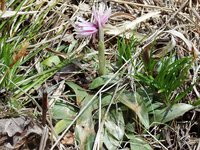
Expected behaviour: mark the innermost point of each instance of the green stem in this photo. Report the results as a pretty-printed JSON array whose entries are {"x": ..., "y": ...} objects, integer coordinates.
[
  {"x": 101, "y": 55},
  {"x": 102, "y": 59}
]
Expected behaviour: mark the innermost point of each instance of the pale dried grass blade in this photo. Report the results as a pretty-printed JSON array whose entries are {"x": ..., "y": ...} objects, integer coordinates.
[
  {"x": 44, "y": 138},
  {"x": 8, "y": 14},
  {"x": 168, "y": 48},
  {"x": 181, "y": 36},
  {"x": 110, "y": 30}
]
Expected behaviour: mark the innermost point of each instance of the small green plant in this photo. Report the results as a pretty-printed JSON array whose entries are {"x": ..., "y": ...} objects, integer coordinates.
[
  {"x": 126, "y": 47},
  {"x": 165, "y": 78}
]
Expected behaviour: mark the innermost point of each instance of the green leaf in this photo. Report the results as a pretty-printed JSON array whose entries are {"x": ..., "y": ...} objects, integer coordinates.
[
  {"x": 143, "y": 78},
  {"x": 138, "y": 143},
  {"x": 114, "y": 124},
  {"x": 63, "y": 111},
  {"x": 51, "y": 61},
  {"x": 85, "y": 134},
  {"x": 110, "y": 142},
  {"x": 142, "y": 111},
  {"x": 114, "y": 130},
  {"x": 84, "y": 129},
  {"x": 196, "y": 102},
  {"x": 126, "y": 48},
  {"x": 175, "y": 111},
  {"x": 79, "y": 91},
  {"x": 181, "y": 95},
  {"x": 104, "y": 102},
  {"x": 62, "y": 125},
  {"x": 33, "y": 82},
  {"x": 99, "y": 81},
  {"x": 136, "y": 103}
]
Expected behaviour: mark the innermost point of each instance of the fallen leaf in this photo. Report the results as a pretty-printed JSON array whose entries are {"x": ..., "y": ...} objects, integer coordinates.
[
  {"x": 17, "y": 130},
  {"x": 68, "y": 139}
]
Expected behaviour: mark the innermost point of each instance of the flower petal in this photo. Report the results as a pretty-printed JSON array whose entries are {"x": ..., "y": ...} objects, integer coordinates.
[
  {"x": 101, "y": 16},
  {"x": 84, "y": 28}
]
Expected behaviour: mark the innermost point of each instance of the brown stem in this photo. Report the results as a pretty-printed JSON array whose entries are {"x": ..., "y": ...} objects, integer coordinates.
[
  {"x": 3, "y": 5},
  {"x": 44, "y": 107}
]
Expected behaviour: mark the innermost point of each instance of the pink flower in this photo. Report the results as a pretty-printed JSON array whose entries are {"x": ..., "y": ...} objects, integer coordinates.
[
  {"x": 89, "y": 29},
  {"x": 101, "y": 16},
  {"x": 84, "y": 28}
]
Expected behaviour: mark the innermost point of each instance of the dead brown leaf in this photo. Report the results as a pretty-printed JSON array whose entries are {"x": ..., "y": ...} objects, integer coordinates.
[
  {"x": 68, "y": 139},
  {"x": 3, "y": 5},
  {"x": 15, "y": 131},
  {"x": 122, "y": 15},
  {"x": 21, "y": 53}
]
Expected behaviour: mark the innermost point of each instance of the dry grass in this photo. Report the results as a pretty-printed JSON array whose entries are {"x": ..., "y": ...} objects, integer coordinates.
[{"x": 173, "y": 24}]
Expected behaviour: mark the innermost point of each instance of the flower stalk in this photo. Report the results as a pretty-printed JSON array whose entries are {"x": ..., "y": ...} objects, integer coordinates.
[
  {"x": 90, "y": 29},
  {"x": 102, "y": 59},
  {"x": 101, "y": 52}
]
